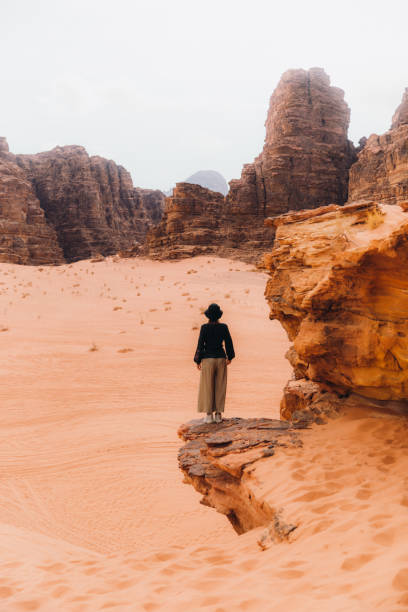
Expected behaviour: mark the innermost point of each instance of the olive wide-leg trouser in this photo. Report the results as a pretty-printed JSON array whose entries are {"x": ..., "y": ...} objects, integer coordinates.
[{"x": 213, "y": 385}]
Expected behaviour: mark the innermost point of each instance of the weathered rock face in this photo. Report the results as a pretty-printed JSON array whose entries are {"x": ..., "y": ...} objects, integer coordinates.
[
  {"x": 190, "y": 223},
  {"x": 197, "y": 220},
  {"x": 90, "y": 201},
  {"x": 401, "y": 114},
  {"x": 304, "y": 164},
  {"x": 217, "y": 459},
  {"x": 63, "y": 204},
  {"x": 339, "y": 287},
  {"x": 381, "y": 172},
  {"x": 153, "y": 203},
  {"x": 306, "y": 157},
  {"x": 25, "y": 237}
]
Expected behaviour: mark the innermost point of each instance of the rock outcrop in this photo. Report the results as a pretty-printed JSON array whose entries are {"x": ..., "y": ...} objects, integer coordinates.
[
  {"x": 152, "y": 201},
  {"x": 304, "y": 164},
  {"x": 25, "y": 236},
  {"x": 306, "y": 156},
  {"x": 401, "y": 114},
  {"x": 65, "y": 205},
  {"x": 381, "y": 172},
  {"x": 90, "y": 201},
  {"x": 190, "y": 224},
  {"x": 217, "y": 460},
  {"x": 339, "y": 287}
]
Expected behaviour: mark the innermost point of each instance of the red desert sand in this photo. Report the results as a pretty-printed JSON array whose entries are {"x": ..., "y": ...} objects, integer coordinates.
[{"x": 97, "y": 375}]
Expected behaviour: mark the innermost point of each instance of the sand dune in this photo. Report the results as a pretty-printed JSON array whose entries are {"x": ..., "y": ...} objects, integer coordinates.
[{"x": 96, "y": 375}]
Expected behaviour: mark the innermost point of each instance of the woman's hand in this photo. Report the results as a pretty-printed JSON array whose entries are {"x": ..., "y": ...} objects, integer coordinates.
[
  {"x": 228, "y": 361},
  {"x": 198, "y": 366}
]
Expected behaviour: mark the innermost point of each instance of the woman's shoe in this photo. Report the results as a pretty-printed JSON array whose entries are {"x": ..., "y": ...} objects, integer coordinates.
[
  {"x": 218, "y": 417},
  {"x": 208, "y": 418}
]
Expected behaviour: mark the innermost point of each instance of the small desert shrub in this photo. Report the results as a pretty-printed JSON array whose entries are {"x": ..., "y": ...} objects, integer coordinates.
[
  {"x": 375, "y": 217},
  {"x": 93, "y": 348},
  {"x": 125, "y": 350}
]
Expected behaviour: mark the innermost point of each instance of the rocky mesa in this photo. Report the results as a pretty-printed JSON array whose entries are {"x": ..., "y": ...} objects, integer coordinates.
[
  {"x": 25, "y": 235},
  {"x": 306, "y": 156},
  {"x": 90, "y": 201},
  {"x": 72, "y": 206},
  {"x": 304, "y": 164}
]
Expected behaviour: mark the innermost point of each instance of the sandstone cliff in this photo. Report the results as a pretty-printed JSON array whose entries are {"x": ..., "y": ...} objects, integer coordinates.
[
  {"x": 381, "y": 172},
  {"x": 304, "y": 164},
  {"x": 306, "y": 156},
  {"x": 25, "y": 236},
  {"x": 90, "y": 201},
  {"x": 190, "y": 223},
  {"x": 338, "y": 286}
]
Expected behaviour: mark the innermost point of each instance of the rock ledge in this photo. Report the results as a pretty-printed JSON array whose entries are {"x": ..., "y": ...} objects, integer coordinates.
[{"x": 217, "y": 460}]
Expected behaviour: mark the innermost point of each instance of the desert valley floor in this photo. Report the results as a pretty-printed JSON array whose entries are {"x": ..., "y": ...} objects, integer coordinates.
[{"x": 96, "y": 376}]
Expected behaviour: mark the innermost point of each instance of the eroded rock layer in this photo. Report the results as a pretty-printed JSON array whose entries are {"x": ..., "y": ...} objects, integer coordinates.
[
  {"x": 217, "y": 459},
  {"x": 339, "y": 287},
  {"x": 197, "y": 220},
  {"x": 306, "y": 156},
  {"x": 304, "y": 164},
  {"x": 90, "y": 201},
  {"x": 381, "y": 172},
  {"x": 190, "y": 223},
  {"x": 25, "y": 236},
  {"x": 65, "y": 205}
]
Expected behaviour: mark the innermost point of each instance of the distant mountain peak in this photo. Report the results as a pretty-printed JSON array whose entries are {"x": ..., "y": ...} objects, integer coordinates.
[{"x": 211, "y": 179}]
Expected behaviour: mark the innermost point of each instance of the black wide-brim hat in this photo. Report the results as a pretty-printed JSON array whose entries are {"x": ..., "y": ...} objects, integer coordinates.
[{"x": 213, "y": 312}]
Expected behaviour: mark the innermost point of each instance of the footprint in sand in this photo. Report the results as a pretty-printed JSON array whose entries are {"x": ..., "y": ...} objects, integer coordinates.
[
  {"x": 248, "y": 565},
  {"x": 364, "y": 493},
  {"x": 388, "y": 460},
  {"x": 292, "y": 574},
  {"x": 353, "y": 564},
  {"x": 60, "y": 591},
  {"x": 400, "y": 581},
  {"x": 385, "y": 538},
  {"x": 322, "y": 526},
  {"x": 6, "y": 591},
  {"x": 294, "y": 564},
  {"x": 31, "y": 604}
]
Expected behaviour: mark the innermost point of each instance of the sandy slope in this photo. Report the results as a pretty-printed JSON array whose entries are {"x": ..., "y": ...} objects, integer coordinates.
[{"x": 93, "y": 512}]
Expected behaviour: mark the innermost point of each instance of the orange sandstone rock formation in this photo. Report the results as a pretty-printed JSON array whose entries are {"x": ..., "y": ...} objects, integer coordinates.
[
  {"x": 90, "y": 201},
  {"x": 25, "y": 236},
  {"x": 190, "y": 224},
  {"x": 306, "y": 156},
  {"x": 339, "y": 287},
  {"x": 217, "y": 459},
  {"x": 304, "y": 164},
  {"x": 381, "y": 172}
]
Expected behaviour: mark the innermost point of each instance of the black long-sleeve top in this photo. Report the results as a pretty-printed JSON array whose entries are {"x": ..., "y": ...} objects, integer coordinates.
[{"x": 212, "y": 335}]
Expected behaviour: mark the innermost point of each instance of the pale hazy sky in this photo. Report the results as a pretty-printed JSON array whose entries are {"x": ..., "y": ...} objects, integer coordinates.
[{"x": 169, "y": 87}]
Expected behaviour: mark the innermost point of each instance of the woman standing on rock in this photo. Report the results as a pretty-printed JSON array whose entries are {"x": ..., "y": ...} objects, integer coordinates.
[{"x": 212, "y": 360}]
